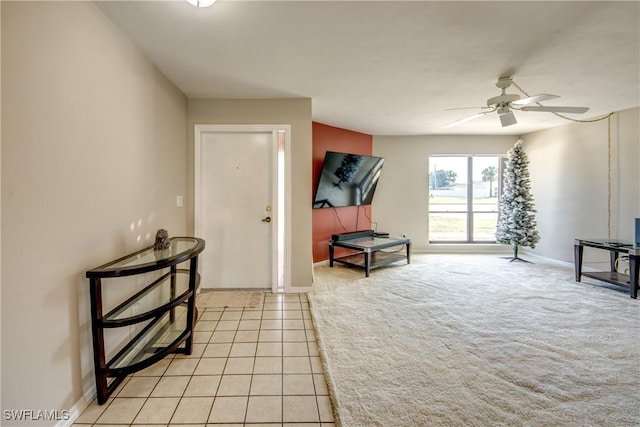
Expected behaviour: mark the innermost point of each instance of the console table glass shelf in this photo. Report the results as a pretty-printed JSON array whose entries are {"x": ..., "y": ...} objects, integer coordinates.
[
  {"x": 170, "y": 289},
  {"x": 169, "y": 323},
  {"x": 159, "y": 338}
]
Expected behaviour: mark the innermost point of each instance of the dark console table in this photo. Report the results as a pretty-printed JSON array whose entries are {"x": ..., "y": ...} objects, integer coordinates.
[
  {"x": 368, "y": 247},
  {"x": 615, "y": 248},
  {"x": 167, "y": 325}
]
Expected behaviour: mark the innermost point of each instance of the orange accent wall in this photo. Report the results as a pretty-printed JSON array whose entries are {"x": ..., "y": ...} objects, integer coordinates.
[{"x": 330, "y": 221}]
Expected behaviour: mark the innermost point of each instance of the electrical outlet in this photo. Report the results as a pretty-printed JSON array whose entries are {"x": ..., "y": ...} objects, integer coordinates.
[{"x": 179, "y": 201}]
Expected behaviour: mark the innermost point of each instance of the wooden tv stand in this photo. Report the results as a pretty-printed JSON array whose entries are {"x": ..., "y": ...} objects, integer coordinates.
[{"x": 367, "y": 249}]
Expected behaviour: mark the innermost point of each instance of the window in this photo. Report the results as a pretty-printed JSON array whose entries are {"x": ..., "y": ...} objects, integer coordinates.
[{"x": 463, "y": 198}]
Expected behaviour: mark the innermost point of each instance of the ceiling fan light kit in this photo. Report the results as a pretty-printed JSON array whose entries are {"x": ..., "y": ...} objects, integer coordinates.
[
  {"x": 505, "y": 103},
  {"x": 508, "y": 119},
  {"x": 503, "y": 99}
]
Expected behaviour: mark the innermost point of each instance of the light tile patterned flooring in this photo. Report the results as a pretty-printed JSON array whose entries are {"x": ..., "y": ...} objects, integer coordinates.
[{"x": 257, "y": 367}]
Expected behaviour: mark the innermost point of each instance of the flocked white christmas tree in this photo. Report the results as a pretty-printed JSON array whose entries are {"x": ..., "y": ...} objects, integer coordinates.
[{"x": 517, "y": 223}]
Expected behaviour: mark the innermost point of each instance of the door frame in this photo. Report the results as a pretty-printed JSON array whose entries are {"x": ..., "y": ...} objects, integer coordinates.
[{"x": 281, "y": 194}]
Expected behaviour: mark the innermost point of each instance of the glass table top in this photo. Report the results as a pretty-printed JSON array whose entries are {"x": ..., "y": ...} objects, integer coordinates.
[
  {"x": 372, "y": 242},
  {"x": 180, "y": 247},
  {"x": 611, "y": 244}
]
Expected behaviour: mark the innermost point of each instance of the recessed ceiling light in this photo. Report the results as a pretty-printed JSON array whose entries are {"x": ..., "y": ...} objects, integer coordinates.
[{"x": 201, "y": 3}]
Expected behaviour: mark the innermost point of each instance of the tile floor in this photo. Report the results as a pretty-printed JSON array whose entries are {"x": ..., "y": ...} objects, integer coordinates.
[{"x": 253, "y": 367}]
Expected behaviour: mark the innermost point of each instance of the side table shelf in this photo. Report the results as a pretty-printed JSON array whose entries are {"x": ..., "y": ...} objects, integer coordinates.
[
  {"x": 156, "y": 340},
  {"x": 615, "y": 248},
  {"x": 169, "y": 323},
  {"x": 172, "y": 289}
]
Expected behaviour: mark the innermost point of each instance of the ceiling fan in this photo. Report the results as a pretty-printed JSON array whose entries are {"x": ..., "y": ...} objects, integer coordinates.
[{"x": 505, "y": 103}]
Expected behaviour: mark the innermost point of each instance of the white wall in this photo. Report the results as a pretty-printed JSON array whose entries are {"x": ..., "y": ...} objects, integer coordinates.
[
  {"x": 297, "y": 113},
  {"x": 0, "y": 201},
  {"x": 94, "y": 152},
  {"x": 569, "y": 169},
  {"x": 400, "y": 205}
]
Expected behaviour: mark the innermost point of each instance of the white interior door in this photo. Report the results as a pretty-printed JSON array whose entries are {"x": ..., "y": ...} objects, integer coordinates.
[{"x": 235, "y": 208}]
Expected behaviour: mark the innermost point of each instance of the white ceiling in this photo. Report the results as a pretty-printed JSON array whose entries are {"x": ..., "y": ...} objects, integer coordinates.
[{"x": 390, "y": 67}]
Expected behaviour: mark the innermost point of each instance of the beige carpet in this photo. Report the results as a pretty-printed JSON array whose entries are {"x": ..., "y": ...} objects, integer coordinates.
[
  {"x": 232, "y": 299},
  {"x": 474, "y": 340}
]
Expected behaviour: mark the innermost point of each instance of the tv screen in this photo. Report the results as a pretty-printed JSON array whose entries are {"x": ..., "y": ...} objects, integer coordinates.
[{"x": 347, "y": 180}]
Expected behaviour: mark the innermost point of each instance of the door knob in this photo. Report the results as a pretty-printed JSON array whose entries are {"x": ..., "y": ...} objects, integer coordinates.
[{"x": 267, "y": 219}]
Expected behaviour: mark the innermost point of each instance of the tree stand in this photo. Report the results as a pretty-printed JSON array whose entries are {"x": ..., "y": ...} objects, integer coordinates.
[{"x": 515, "y": 256}]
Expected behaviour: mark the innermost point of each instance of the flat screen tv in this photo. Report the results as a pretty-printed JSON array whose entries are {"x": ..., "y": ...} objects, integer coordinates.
[{"x": 347, "y": 180}]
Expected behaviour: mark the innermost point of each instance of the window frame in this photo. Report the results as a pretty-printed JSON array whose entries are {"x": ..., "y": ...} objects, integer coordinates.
[{"x": 469, "y": 212}]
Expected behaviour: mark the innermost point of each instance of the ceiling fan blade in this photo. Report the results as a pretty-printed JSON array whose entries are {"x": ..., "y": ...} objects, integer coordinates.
[
  {"x": 534, "y": 98},
  {"x": 466, "y": 119},
  {"x": 575, "y": 110},
  {"x": 508, "y": 119},
  {"x": 467, "y": 108}
]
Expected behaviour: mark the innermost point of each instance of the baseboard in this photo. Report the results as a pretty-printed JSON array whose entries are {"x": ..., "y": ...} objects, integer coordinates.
[
  {"x": 464, "y": 248},
  {"x": 78, "y": 408},
  {"x": 90, "y": 392},
  {"x": 299, "y": 290},
  {"x": 321, "y": 263}
]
